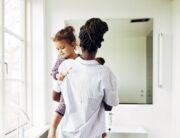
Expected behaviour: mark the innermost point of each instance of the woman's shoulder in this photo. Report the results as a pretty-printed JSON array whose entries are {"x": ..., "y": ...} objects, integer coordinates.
[
  {"x": 105, "y": 71},
  {"x": 106, "y": 74},
  {"x": 105, "y": 68}
]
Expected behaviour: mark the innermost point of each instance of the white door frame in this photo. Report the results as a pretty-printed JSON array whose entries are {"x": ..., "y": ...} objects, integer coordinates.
[{"x": 2, "y": 71}]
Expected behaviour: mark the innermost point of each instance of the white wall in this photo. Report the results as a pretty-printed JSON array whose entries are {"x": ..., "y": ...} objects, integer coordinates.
[
  {"x": 176, "y": 70},
  {"x": 155, "y": 118}
]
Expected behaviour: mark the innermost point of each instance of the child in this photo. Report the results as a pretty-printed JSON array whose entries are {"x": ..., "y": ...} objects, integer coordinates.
[{"x": 65, "y": 43}]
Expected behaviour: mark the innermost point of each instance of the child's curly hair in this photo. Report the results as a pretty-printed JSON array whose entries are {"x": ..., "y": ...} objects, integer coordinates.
[{"x": 66, "y": 34}]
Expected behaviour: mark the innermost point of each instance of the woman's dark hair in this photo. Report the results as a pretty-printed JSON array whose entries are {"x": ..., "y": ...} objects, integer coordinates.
[
  {"x": 66, "y": 34},
  {"x": 91, "y": 34}
]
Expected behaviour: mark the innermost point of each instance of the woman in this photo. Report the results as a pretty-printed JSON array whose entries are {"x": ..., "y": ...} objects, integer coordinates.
[{"x": 89, "y": 88}]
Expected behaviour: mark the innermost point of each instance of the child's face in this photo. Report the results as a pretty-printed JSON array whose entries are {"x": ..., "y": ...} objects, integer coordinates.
[{"x": 65, "y": 50}]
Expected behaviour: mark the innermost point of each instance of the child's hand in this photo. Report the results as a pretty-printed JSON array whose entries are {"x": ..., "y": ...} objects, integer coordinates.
[
  {"x": 57, "y": 76},
  {"x": 61, "y": 76}
]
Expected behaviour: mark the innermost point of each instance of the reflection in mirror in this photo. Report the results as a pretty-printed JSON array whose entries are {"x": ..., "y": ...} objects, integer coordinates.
[{"x": 128, "y": 51}]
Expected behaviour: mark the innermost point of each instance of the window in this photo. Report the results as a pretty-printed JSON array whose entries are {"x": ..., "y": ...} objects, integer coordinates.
[{"x": 14, "y": 78}]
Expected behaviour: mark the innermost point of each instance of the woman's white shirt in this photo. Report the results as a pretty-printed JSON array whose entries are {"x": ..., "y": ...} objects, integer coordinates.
[{"x": 85, "y": 88}]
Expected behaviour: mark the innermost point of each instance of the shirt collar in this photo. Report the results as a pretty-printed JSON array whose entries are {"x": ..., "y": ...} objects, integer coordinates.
[{"x": 79, "y": 59}]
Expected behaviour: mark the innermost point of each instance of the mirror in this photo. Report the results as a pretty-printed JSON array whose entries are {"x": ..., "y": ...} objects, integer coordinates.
[{"x": 128, "y": 51}]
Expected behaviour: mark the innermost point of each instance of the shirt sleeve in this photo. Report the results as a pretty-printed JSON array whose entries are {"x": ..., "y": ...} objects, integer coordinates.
[{"x": 110, "y": 88}]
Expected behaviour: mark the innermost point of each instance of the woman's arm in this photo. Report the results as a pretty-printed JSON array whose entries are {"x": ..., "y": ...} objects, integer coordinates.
[{"x": 56, "y": 96}]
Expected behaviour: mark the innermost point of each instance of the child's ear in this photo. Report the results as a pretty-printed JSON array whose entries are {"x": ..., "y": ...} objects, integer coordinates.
[{"x": 74, "y": 45}]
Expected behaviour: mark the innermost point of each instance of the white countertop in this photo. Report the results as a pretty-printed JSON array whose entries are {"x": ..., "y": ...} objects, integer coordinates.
[{"x": 126, "y": 129}]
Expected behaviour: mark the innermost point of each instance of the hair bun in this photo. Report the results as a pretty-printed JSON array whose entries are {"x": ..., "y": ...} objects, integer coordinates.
[
  {"x": 69, "y": 29},
  {"x": 91, "y": 34},
  {"x": 66, "y": 34}
]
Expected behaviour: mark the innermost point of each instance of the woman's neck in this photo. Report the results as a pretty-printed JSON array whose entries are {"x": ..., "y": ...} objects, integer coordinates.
[{"x": 88, "y": 56}]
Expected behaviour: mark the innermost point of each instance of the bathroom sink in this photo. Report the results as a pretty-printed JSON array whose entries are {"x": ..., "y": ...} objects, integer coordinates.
[{"x": 126, "y": 132}]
